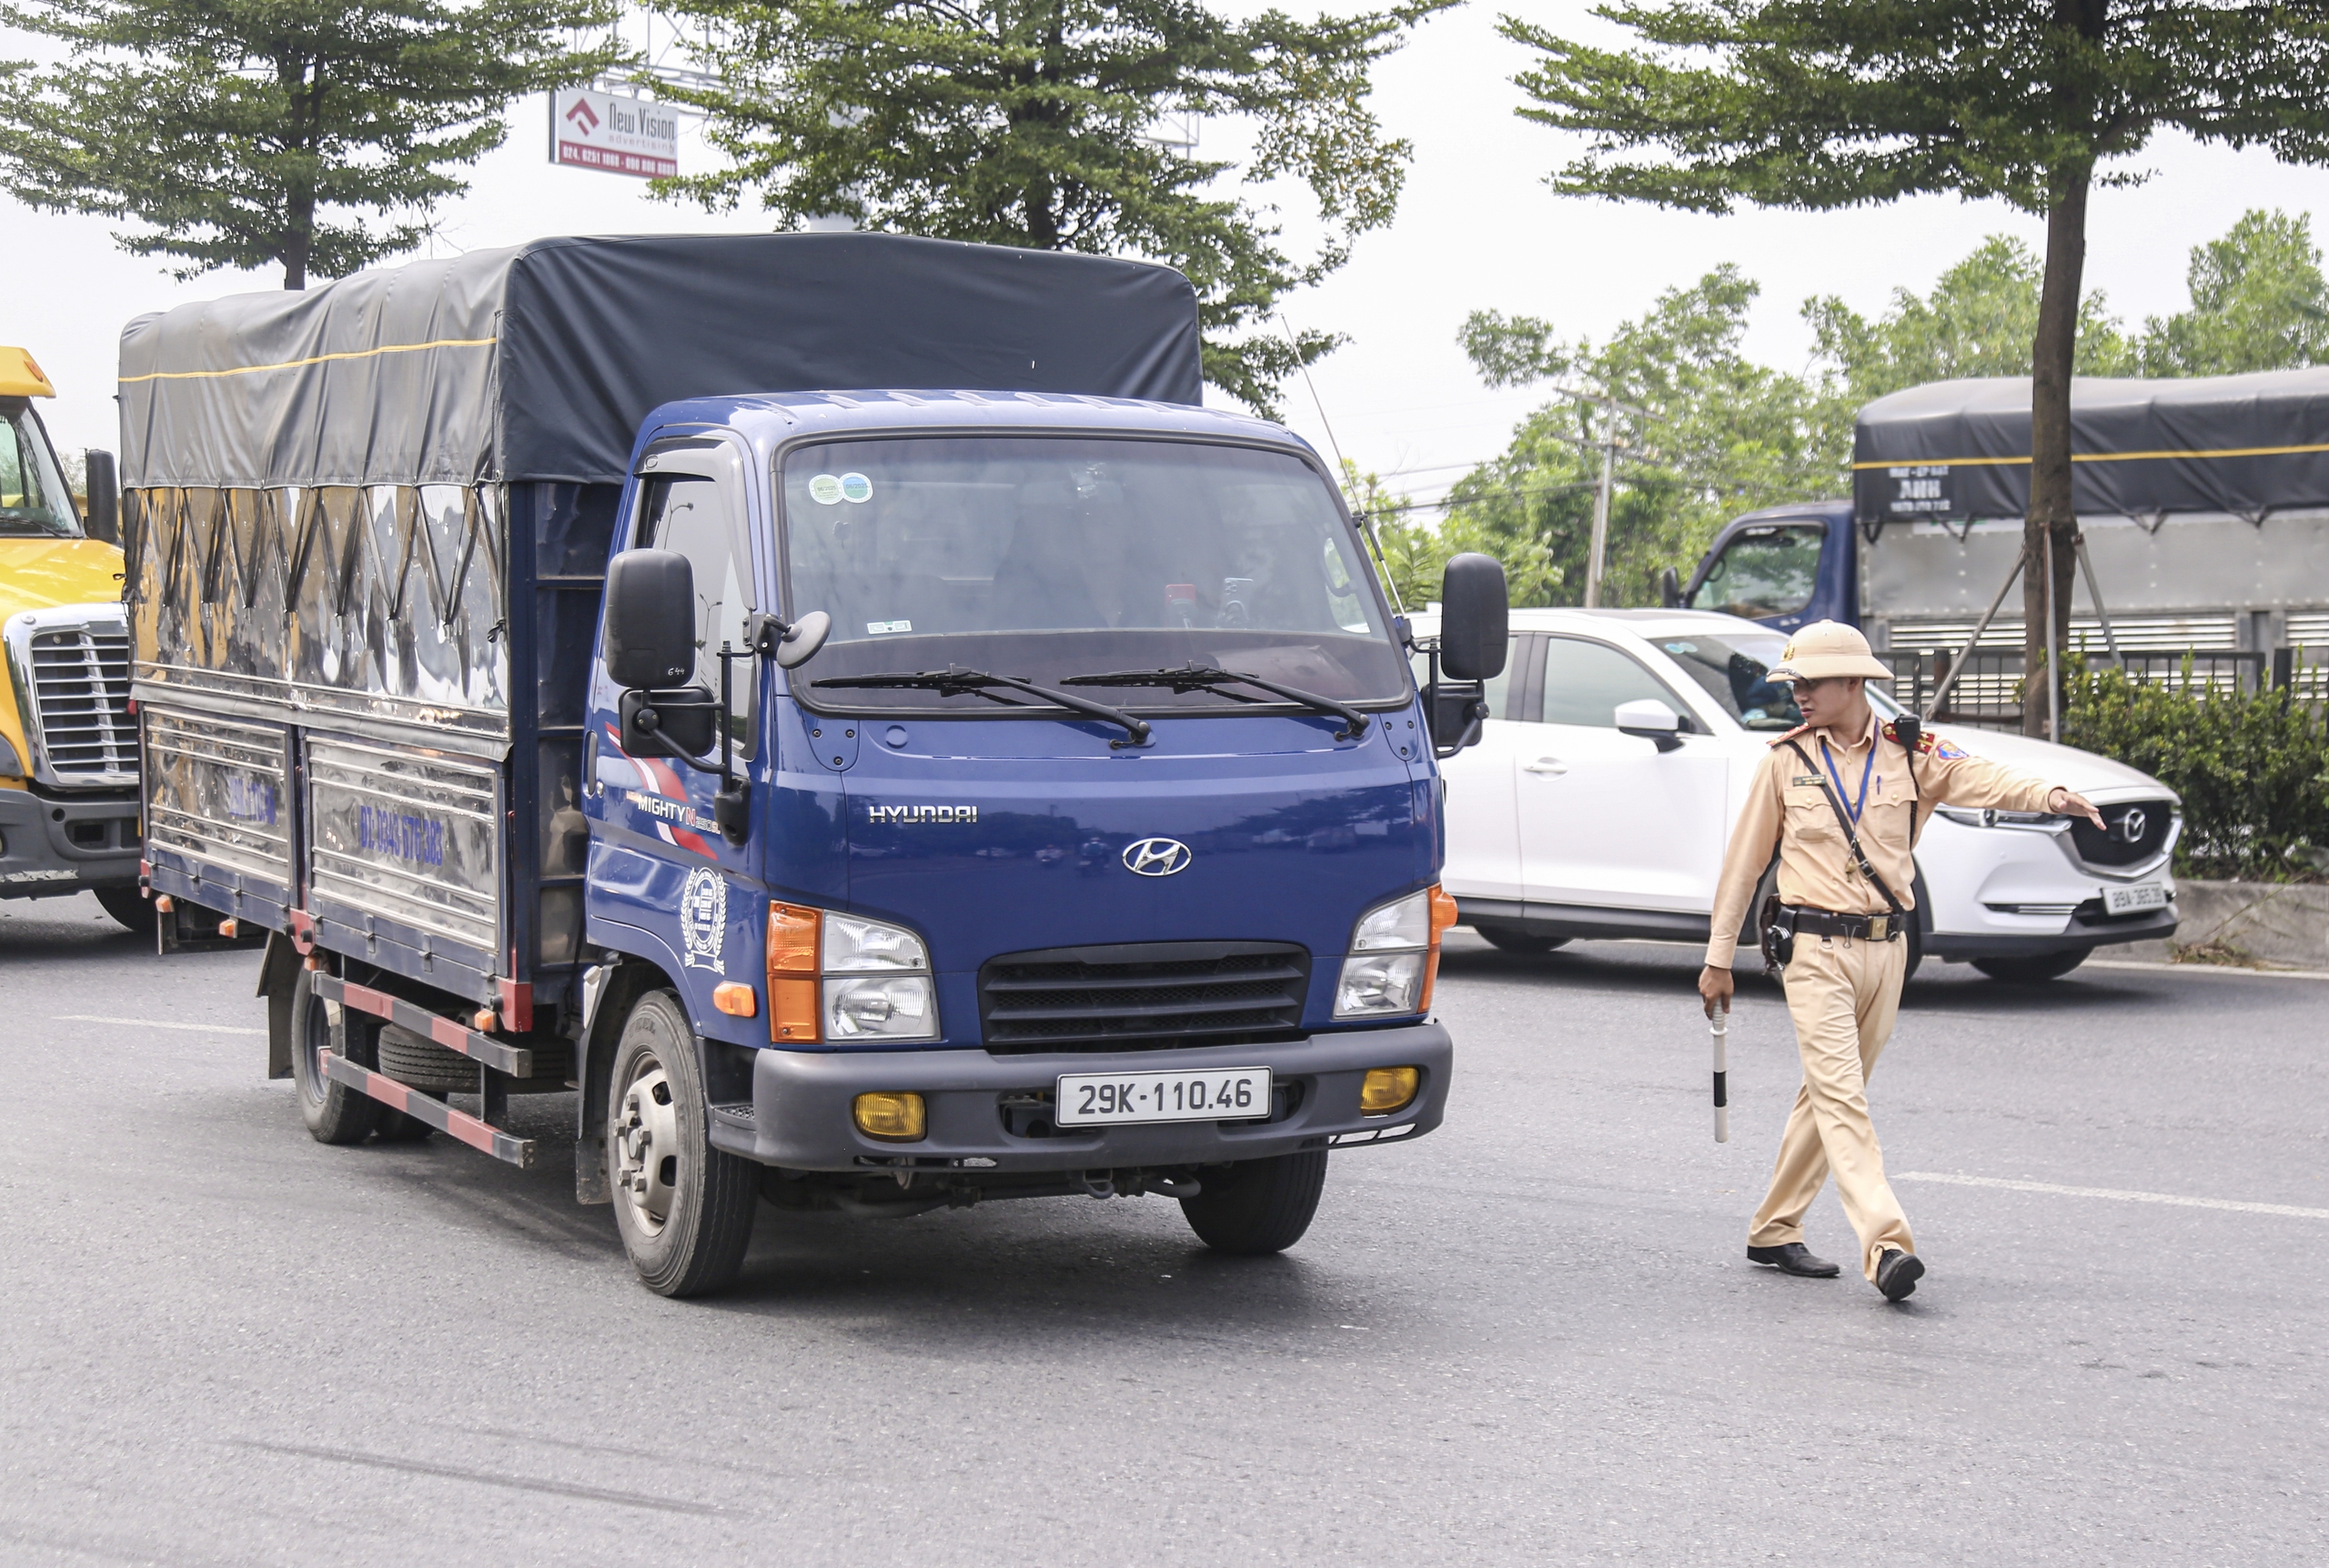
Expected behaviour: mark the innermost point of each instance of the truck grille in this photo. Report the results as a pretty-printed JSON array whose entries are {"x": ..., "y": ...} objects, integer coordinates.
[
  {"x": 1143, "y": 996},
  {"x": 2139, "y": 830},
  {"x": 81, "y": 693}
]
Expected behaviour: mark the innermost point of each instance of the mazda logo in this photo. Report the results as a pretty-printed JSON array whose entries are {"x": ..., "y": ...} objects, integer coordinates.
[
  {"x": 2132, "y": 825},
  {"x": 1156, "y": 857}
]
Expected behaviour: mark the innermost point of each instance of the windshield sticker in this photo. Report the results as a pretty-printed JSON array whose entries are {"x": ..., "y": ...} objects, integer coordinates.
[
  {"x": 825, "y": 489},
  {"x": 856, "y": 488},
  {"x": 703, "y": 918},
  {"x": 876, "y": 627}
]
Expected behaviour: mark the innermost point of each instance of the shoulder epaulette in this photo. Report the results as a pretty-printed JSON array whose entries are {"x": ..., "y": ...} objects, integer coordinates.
[
  {"x": 1925, "y": 741},
  {"x": 1783, "y": 740}
]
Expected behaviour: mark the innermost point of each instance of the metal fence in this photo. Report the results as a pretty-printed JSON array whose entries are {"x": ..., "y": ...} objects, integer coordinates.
[{"x": 1987, "y": 693}]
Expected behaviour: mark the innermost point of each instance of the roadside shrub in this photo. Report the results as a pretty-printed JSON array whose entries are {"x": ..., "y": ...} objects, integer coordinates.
[{"x": 2253, "y": 768}]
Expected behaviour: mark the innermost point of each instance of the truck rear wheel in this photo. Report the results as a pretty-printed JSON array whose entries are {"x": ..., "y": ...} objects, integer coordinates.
[
  {"x": 334, "y": 1112},
  {"x": 683, "y": 1207},
  {"x": 1257, "y": 1206}
]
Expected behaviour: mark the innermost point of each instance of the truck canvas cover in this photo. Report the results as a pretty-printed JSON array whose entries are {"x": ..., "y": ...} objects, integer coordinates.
[
  {"x": 537, "y": 362},
  {"x": 366, "y": 526},
  {"x": 2246, "y": 446}
]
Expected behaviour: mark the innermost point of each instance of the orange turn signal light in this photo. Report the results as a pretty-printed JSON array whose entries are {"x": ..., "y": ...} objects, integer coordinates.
[
  {"x": 735, "y": 999},
  {"x": 793, "y": 934},
  {"x": 483, "y": 1020},
  {"x": 1443, "y": 915}
]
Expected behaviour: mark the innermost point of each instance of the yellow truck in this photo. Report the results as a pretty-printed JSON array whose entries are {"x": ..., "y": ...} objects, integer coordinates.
[{"x": 68, "y": 740}]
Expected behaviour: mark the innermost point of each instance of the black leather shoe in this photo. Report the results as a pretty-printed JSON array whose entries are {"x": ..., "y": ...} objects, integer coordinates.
[
  {"x": 1897, "y": 1273},
  {"x": 1794, "y": 1258}
]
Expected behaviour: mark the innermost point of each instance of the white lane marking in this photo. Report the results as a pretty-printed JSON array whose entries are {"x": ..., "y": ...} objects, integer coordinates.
[
  {"x": 155, "y": 1023},
  {"x": 2181, "y": 1202}
]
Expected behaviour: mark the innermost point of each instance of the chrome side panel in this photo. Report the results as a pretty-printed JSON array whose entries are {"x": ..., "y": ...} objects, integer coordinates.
[
  {"x": 219, "y": 806},
  {"x": 403, "y": 839}
]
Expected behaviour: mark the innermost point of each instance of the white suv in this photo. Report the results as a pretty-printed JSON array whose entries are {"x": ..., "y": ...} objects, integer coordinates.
[{"x": 1561, "y": 824}]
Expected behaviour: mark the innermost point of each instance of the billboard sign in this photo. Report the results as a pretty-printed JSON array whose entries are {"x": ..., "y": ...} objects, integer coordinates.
[{"x": 620, "y": 136}]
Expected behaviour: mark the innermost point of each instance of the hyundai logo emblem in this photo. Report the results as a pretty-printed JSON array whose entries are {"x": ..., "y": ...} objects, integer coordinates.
[
  {"x": 2132, "y": 825},
  {"x": 1156, "y": 857}
]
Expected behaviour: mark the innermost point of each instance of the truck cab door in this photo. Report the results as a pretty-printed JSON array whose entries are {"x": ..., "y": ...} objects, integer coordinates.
[
  {"x": 1607, "y": 820},
  {"x": 1483, "y": 823},
  {"x": 658, "y": 861}
]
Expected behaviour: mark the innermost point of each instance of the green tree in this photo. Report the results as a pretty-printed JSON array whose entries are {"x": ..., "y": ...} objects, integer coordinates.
[
  {"x": 1719, "y": 435},
  {"x": 2258, "y": 303},
  {"x": 313, "y": 135},
  {"x": 1978, "y": 320},
  {"x": 1835, "y": 102},
  {"x": 1047, "y": 123}
]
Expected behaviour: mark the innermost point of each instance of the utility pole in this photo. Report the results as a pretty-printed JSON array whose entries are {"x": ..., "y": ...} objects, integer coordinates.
[{"x": 1601, "y": 505}]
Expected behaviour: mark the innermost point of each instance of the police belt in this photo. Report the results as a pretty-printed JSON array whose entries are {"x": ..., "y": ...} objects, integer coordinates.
[{"x": 1827, "y": 923}]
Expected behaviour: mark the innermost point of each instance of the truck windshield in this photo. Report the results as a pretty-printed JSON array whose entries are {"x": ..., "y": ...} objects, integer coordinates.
[
  {"x": 1049, "y": 558},
  {"x": 1731, "y": 668},
  {"x": 1764, "y": 572},
  {"x": 32, "y": 498}
]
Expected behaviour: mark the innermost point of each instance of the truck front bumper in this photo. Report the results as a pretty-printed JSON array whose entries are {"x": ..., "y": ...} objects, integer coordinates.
[
  {"x": 55, "y": 844},
  {"x": 801, "y": 1119}
]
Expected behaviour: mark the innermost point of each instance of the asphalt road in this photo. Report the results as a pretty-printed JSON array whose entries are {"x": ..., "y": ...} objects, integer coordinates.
[{"x": 1531, "y": 1338}]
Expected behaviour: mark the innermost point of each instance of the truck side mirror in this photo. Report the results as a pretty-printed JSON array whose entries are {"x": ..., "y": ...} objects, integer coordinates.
[
  {"x": 1473, "y": 634},
  {"x": 104, "y": 521},
  {"x": 1647, "y": 718},
  {"x": 650, "y": 618},
  {"x": 1669, "y": 588}
]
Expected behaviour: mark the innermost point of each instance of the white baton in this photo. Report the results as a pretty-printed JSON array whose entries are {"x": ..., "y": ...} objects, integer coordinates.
[{"x": 1721, "y": 1032}]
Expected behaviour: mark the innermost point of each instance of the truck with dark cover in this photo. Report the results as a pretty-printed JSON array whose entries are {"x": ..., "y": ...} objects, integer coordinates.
[{"x": 836, "y": 705}]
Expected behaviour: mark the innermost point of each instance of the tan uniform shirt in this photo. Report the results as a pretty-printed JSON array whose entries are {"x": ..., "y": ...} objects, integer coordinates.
[{"x": 1785, "y": 806}]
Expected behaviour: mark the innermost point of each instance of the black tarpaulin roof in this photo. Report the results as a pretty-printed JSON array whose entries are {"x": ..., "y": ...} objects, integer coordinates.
[
  {"x": 540, "y": 361},
  {"x": 2247, "y": 445}
]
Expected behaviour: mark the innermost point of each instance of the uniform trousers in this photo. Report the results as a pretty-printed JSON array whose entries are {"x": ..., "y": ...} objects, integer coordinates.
[{"x": 1842, "y": 995}]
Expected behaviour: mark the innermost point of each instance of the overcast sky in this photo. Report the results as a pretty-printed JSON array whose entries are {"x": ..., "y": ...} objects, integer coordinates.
[{"x": 1478, "y": 229}]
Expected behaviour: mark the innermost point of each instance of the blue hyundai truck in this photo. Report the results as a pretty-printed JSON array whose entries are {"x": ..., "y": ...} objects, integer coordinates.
[{"x": 836, "y": 705}]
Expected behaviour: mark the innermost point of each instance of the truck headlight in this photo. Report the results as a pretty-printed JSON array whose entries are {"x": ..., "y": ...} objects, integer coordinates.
[
  {"x": 834, "y": 977},
  {"x": 1393, "y": 956}
]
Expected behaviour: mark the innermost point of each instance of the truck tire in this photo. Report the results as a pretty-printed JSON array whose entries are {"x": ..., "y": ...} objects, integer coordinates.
[
  {"x": 684, "y": 1209},
  {"x": 1257, "y": 1206},
  {"x": 129, "y": 907},
  {"x": 2035, "y": 969},
  {"x": 334, "y": 1112},
  {"x": 1512, "y": 939}
]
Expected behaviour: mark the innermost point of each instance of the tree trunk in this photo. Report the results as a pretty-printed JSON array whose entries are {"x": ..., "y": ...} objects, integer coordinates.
[{"x": 2051, "y": 510}]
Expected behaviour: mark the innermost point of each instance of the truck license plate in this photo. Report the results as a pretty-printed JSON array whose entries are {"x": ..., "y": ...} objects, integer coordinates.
[
  {"x": 1106, "y": 1099},
  {"x": 2129, "y": 900}
]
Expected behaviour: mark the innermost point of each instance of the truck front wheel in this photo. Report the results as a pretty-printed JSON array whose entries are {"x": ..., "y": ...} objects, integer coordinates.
[
  {"x": 684, "y": 1209},
  {"x": 1257, "y": 1206},
  {"x": 334, "y": 1112}
]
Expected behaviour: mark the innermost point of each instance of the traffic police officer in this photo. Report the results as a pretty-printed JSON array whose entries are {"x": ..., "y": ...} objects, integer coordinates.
[{"x": 1842, "y": 801}]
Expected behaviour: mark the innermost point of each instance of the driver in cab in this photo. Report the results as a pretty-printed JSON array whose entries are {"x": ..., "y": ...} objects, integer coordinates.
[{"x": 1840, "y": 801}]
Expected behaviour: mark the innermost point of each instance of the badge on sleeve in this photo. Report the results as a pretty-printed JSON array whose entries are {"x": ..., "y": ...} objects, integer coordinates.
[{"x": 1949, "y": 751}]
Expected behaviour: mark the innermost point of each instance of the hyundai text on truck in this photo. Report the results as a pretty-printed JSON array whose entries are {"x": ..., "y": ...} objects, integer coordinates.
[
  {"x": 835, "y": 704},
  {"x": 68, "y": 746}
]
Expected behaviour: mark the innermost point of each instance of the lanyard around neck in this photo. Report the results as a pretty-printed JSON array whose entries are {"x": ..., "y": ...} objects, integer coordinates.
[{"x": 1852, "y": 807}]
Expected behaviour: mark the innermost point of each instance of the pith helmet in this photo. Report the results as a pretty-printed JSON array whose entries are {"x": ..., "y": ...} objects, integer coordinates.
[{"x": 1826, "y": 648}]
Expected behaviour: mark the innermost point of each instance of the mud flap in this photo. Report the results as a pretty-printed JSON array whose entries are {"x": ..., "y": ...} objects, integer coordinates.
[{"x": 279, "y": 971}]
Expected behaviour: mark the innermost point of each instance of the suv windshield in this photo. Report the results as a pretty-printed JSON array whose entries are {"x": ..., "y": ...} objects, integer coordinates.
[
  {"x": 1764, "y": 571},
  {"x": 1731, "y": 668},
  {"x": 1048, "y": 557},
  {"x": 33, "y": 496}
]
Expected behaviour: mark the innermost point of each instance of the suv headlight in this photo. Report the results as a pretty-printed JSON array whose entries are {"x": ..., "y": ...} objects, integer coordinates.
[
  {"x": 868, "y": 979},
  {"x": 1968, "y": 817},
  {"x": 1393, "y": 956}
]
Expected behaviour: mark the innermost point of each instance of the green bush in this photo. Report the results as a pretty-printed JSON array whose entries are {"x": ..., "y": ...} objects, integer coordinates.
[{"x": 2252, "y": 768}]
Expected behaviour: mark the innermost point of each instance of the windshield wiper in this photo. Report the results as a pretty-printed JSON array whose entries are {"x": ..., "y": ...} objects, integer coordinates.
[
  {"x": 1194, "y": 677},
  {"x": 956, "y": 681}
]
